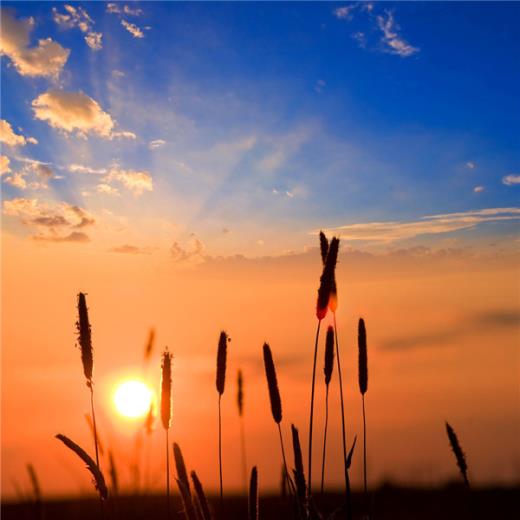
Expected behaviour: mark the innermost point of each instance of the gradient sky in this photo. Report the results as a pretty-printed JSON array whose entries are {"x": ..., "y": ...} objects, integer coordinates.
[{"x": 176, "y": 160}]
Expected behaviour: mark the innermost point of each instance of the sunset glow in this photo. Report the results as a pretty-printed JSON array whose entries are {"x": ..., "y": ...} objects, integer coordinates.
[{"x": 132, "y": 399}]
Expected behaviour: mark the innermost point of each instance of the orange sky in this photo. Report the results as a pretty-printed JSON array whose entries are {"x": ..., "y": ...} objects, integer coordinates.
[{"x": 443, "y": 342}]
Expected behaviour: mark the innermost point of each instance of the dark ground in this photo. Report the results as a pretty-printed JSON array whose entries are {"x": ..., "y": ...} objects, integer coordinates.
[{"x": 388, "y": 502}]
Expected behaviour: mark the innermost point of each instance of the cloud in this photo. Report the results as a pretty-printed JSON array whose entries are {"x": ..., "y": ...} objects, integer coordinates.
[
  {"x": 511, "y": 180},
  {"x": 320, "y": 85},
  {"x": 489, "y": 320},
  {"x": 132, "y": 29},
  {"x": 54, "y": 221},
  {"x": 193, "y": 252},
  {"x": 93, "y": 40},
  {"x": 75, "y": 236},
  {"x": 80, "y": 168},
  {"x": 4, "y": 164},
  {"x": 345, "y": 12},
  {"x": 137, "y": 181},
  {"x": 46, "y": 59},
  {"x": 478, "y": 189},
  {"x": 75, "y": 112},
  {"x": 471, "y": 165},
  {"x": 107, "y": 189},
  {"x": 157, "y": 143},
  {"x": 16, "y": 180},
  {"x": 131, "y": 250},
  {"x": 11, "y": 138},
  {"x": 360, "y": 38},
  {"x": 132, "y": 12},
  {"x": 113, "y": 8},
  {"x": 433, "y": 224},
  {"x": 391, "y": 38}
]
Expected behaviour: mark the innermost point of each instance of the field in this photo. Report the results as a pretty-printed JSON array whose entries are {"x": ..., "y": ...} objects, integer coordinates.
[{"x": 388, "y": 503}]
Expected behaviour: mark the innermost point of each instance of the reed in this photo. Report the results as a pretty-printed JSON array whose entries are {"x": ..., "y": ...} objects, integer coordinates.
[
  {"x": 459, "y": 454},
  {"x": 220, "y": 383},
  {"x": 327, "y": 369},
  {"x": 99, "y": 479},
  {"x": 363, "y": 387},
  {"x": 201, "y": 500},
  {"x": 240, "y": 407},
  {"x": 253, "y": 495},
  {"x": 87, "y": 357},
  {"x": 183, "y": 483},
  {"x": 326, "y": 284},
  {"x": 275, "y": 400},
  {"x": 166, "y": 412}
]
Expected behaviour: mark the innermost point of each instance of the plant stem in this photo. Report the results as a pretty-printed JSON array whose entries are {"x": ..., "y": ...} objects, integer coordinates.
[
  {"x": 312, "y": 406},
  {"x": 344, "y": 433},
  {"x": 244, "y": 453},
  {"x": 325, "y": 437},
  {"x": 167, "y": 474},
  {"x": 220, "y": 449},
  {"x": 94, "y": 421},
  {"x": 289, "y": 481},
  {"x": 365, "y": 451}
]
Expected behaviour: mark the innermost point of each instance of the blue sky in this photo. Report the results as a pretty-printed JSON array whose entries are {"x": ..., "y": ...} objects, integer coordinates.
[{"x": 250, "y": 125}]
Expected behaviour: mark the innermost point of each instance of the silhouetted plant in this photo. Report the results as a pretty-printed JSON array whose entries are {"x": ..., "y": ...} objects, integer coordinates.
[
  {"x": 363, "y": 387},
  {"x": 240, "y": 406},
  {"x": 99, "y": 479},
  {"x": 201, "y": 500},
  {"x": 166, "y": 412},
  {"x": 220, "y": 383},
  {"x": 87, "y": 357},
  {"x": 324, "y": 292},
  {"x": 459, "y": 454},
  {"x": 253, "y": 495},
  {"x": 327, "y": 369},
  {"x": 183, "y": 483},
  {"x": 275, "y": 399}
]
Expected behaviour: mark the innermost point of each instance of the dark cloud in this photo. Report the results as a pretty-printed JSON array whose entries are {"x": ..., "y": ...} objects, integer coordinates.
[{"x": 50, "y": 221}]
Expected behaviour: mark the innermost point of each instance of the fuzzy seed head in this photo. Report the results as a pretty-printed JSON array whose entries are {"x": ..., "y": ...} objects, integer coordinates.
[
  {"x": 85, "y": 338},
  {"x": 166, "y": 389},
  {"x": 329, "y": 354},
  {"x": 272, "y": 384},
  {"x": 362, "y": 360},
  {"x": 221, "y": 362}
]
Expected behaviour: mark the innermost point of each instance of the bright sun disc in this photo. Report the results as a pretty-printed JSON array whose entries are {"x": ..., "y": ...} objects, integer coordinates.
[{"x": 133, "y": 399}]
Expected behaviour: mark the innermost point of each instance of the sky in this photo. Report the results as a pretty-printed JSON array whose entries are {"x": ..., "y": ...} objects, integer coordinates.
[{"x": 175, "y": 161}]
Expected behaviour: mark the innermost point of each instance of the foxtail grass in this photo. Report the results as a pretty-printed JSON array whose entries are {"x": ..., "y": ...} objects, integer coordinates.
[
  {"x": 253, "y": 495},
  {"x": 327, "y": 369},
  {"x": 98, "y": 478},
  {"x": 459, "y": 454},
  {"x": 87, "y": 357},
  {"x": 37, "y": 493},
  {"x": 201, "y": 500},
  {"x": 240, "y": 407},
  {"x": 326, "y": 285},
  {"x": 275, "y": 399},
  {"x": 166, "y": 412},
  {"x": 183, "y": 483},
  {"x": 363, "y": 387},
  {"x": 220, "y": 383}
]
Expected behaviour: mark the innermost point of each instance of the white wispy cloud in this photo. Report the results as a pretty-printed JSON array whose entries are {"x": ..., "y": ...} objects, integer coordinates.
[
  {"x": 157, "y": 143},
  {"x": 75, "y": 112},
  {"x": 478, "y": 189},
  {"x": 432, "y": 224},
  {"x": 46, "y": 59},
  {"x": 136, "y": 181},
  {"x": 80, "y": 168},
  {"x": 345, "y": 12},
  {"x": 94, "y": 40},
  {"x": 471, "y": 165},
  {"x": 511, "y": 179},
  {"x": 391, "y": 38}
]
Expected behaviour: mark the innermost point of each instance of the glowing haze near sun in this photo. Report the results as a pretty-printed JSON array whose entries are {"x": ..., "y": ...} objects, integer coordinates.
[{"x": 133, "y": 399}]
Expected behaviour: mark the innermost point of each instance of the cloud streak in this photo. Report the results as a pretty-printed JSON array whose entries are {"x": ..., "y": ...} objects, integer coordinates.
[{"x": 433, "y": 224}]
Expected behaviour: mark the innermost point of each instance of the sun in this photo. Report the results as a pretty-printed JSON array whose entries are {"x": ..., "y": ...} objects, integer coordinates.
[{"x": 133, "y": 399}]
